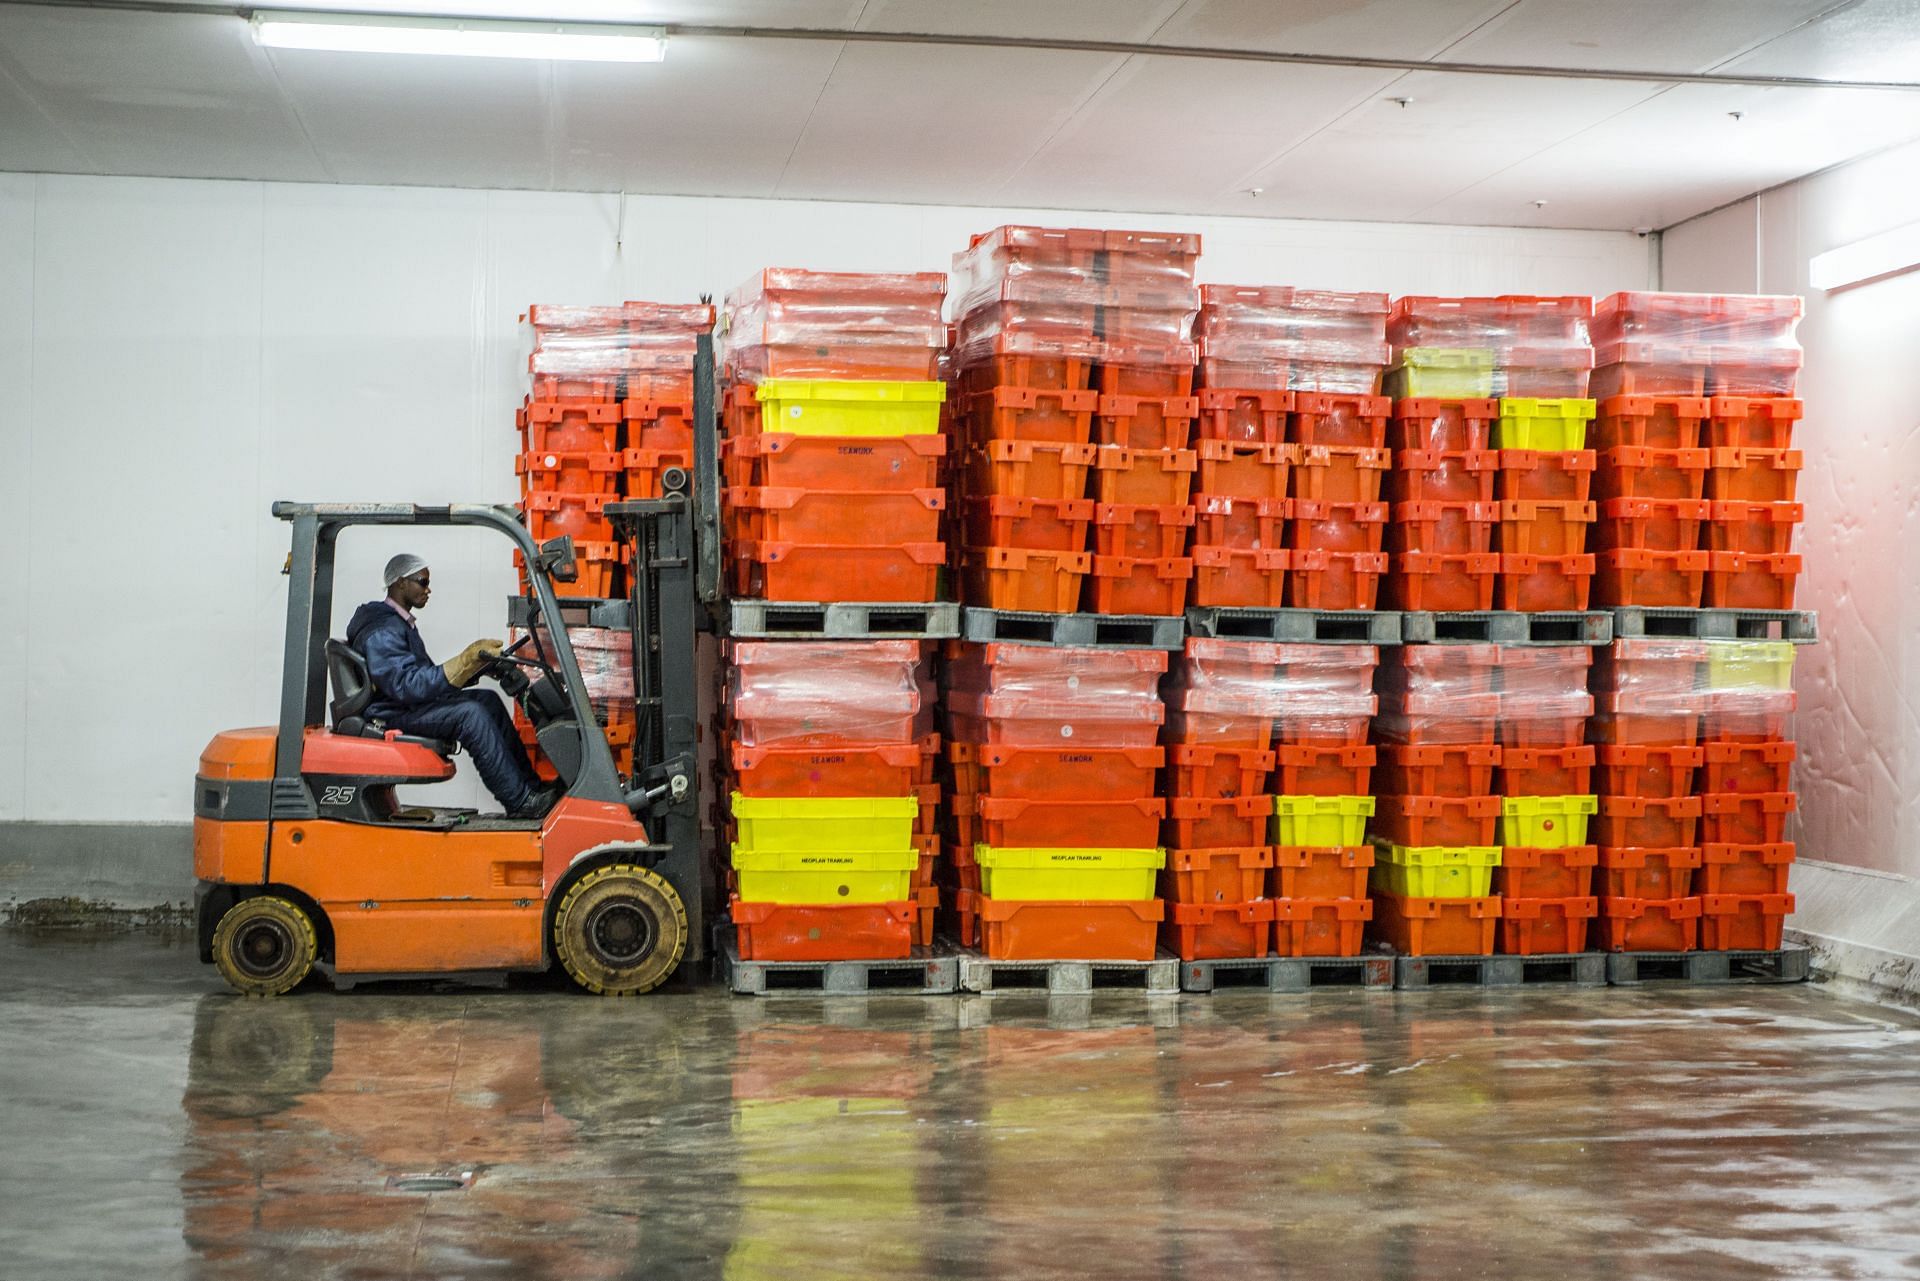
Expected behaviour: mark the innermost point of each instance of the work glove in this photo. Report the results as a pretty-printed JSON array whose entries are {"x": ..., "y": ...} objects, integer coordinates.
[{"x": 463, "y": 668}]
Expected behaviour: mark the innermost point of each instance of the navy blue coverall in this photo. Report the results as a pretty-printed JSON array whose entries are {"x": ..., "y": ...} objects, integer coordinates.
[{"x": 414, "y": 696}]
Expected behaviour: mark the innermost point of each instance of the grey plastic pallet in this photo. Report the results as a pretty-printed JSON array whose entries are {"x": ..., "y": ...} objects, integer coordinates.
[
  {"x": 1799, "y": 627},
  {"x": 1784, "y": 965},
  {"x": 841, "y": 620},
  {"x": 1297, "y": 626},
  {"x": 1056, "y": 978},
  {"x": 1288, "y": 973},
  {"x": 1582, "y": 969},
  {"x": 1504, "y": 627},
  {"x": 1083, "y": 631},
  {"x": 931, "y": 971}
]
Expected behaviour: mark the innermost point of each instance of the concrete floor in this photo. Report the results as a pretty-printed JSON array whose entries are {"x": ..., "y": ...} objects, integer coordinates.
[{"x": 153, "y": 1126}]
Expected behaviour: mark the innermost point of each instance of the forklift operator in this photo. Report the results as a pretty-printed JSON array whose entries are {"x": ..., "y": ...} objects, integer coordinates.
[{"x": 416, "y": 696}]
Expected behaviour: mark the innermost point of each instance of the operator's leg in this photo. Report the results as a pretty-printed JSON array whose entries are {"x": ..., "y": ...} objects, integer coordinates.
[{"x": 479, "y": 723}]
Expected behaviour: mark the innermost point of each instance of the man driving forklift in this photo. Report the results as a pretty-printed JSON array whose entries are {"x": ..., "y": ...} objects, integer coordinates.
[{"x": 417, "y": 696}]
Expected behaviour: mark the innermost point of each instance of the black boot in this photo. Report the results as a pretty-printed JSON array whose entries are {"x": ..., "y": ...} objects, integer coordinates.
[{"x": 538, "y": 801}]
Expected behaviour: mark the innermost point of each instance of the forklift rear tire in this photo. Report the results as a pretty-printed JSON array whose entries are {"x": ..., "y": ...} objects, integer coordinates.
[
  {"x": 620, "y": 930},
  {"x": 265, "y": 946}
]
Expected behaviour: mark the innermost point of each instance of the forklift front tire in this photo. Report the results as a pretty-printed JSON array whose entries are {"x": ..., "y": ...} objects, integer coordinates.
[
  {"x": 620, "y": 930},
  {"x": 265, "y": 946}
]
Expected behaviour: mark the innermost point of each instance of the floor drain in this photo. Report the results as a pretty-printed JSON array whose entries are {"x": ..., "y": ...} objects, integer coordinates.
[{"x": 430, "y": 1182}]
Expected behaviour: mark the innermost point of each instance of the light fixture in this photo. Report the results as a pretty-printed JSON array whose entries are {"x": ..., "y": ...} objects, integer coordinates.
[
  {"x": 459, "y": 37},
  {"x": 1887, "y": 254}
]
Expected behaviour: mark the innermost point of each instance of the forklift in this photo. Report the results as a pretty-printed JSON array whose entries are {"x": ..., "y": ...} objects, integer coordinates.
[{"x": 305, "y": 857}]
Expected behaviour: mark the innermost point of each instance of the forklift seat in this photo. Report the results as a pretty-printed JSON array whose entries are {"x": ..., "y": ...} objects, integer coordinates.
[{"x": 353, "y": 690}]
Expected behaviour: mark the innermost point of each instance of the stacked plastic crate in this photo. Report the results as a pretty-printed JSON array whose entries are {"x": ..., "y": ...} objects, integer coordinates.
[
  {"x": 1267, "y": 782},
  {"x": 829, "y": 824},
  {"x": 1535, "y": 357},
  {"x": 1697, "y": 474},
  {"x": 606, "y": 663},
  {"x": 1054, "y": 815},
  {"x": 1292, "y": 457},
  {"x": 611, "y": 405},
  {"x": 1544, "y": 774},
  {"x": 833, "y": 436},
  {"x": 1073, "y": 371},
  {"x": 1745, "y": 787}
]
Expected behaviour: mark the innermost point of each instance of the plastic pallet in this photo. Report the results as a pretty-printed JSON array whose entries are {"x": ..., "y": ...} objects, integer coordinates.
[
  {"x": 1797, "y": 626},
  {"x": 1505, "y": 627},
  {"x": 1082, "y": 631},
  {"x": 841, "y": 620},
  {"x": 1581, "y": 969},
  {"x": 1785, "y": 965},
  {"x": 929, "y": 971},
  {"x": 1057, "y": 978},
  {"x": 615, "y": 614},
  {"x": 1297, "y": 626},
  {"x": 1288, "y": 973}
]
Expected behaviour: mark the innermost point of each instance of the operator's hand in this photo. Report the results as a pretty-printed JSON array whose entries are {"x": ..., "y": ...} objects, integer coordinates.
[{"x": 463, "y": 668}]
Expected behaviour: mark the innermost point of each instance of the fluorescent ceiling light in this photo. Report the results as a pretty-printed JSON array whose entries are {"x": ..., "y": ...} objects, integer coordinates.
[
  {"x": 1887, "y": 254},
  {"x": 460, "y": 37}
]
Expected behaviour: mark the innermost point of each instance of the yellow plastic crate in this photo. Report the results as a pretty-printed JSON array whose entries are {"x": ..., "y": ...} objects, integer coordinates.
[
  {"x": 770, "y": 877},
  {"x": 1750, "y": 665},
  {"x": 1434, "y": 871},
  {"x": 1461, "y": 372},
  {"x": 1068, "y": 873},
  {"x": 1546, "y": 822},
  {"x": 1321, "y": 820},
  {"x": 1527, "y": 423},
  {"x": 824, "y": 824},
  {"x": 809, "y": 407}
]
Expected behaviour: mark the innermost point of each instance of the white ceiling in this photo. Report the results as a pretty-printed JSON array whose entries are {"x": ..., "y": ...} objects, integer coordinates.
[{"x": 189, "y": 95}]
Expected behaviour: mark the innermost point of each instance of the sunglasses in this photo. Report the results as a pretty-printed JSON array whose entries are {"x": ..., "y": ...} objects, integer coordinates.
[{"x": 422, "y": 580}]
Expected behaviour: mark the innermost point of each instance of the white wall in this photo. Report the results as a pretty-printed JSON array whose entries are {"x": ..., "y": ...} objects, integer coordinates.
[
  {"x": 1859, "y": 720},
  {"x": 175, "y": 355}
]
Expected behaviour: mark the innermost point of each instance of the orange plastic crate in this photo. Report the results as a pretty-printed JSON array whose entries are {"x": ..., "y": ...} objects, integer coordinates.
[
  {"x": 1141, "y": 532},
  {"x": 1028, "y": 362},
  {"x": 1018, "y": 578},
  {"x": 1230, "y": 577},
  {"x": 1647, "y": 872},
  {"x": 1029, "y": 469},
  {"x": 1244, "y": 415},
  {"x": 1447, "y": 528},
  {"x": 841, "y": 517},
  {"x": 1242, "y": 375},
  {"x": 573, "y": 388},
  {"x": 1437, "y": 926},
  {"x": 567, "y": 472},
  {"x": 835, "y": 462},
  {"x": 815, "y": 572},
  {"x": 597, "y": 571},
  {"x": 1321, "y": 871},
  {"x": 1445, "y": 770},
  {"x": 1347, "y": 421},
  {"x": 1532, "y": 584},
  {"x": 1764, "y": 529},
  {"x": 1218, "y": 772},
  {"x": 1652, "y": 524},
  {"x": 1323, "y": 771},
  {"x": 1743, "y": 716},
  {"x": 926, "y": 901},
  {"x": 1062, "y": 773},
  {"x": 1647, "y": 822},
  {"x": 1031, "y": 524},
  {"x": 1205, "y": 823},
  {"x": 1339, "y": 473},
  {"x": 656, "y": 424},
  {"x": 1753, "y": 475},
  {"x": 1422, "y": 476},
  {"x": 1547, "y": 771},
  {"x": 1674, "y": 579},
  {"x": 587, "y": 427},
  {"x": 1050, "y": 414},
  {"x": 581, "y": 517},
  {"x": 1650, "y": 925},
  {"x": 1545, "y": 926},
  {"x": 1743, "y": 922},
  {"x": 1024, "y": 823},
  {"x": 1653, "y": 473},
  {"x": 1545, "y": 529},
  {"x": 1626, "y": 718},
  {"x": 1320, "y": 927},
  {"x": 1655, "y": 773},
  {"x": 644, "y": 468},
  {"x": 1212, "y": 931},
  {"x": 1240, "y": 524},
  {"x": 1131, "y": 585},
  {"x": 1315, "y": 525},
  {"x": 1143, "y": 477},
  {"x": 1425, "y": 423},
  {"x": 1746, "y": 869},
  {"x": 1526, "y": 872},
  {"x": 1547, "y": 476},
  {"x": 1746, "y": 818},
  {"x": 1748, "y": 767},
  {"x": 1444, "y": 581},
  {"x": 1025, "y": 930},
  {"x": 827, "y": 932},
  {"x": 1740, "y": 580},
  {"x": 1145, "y": 368},
  {"x": 1221, "y": 875},
  {"x": 1445, "y": 720},
  {"x": 1228, "y": 469},
  {"x": 929, "y": 746},
  {"x": 1649, "y": 422},
  {"x": 1645, "y": 369},
  {"x": 873, "y": 769},
  {"x": 1321, "y": 731},
  {"x": 1146, "y": 422},
  {"x": 1334, "y": 580},
  {"x": 1438, "y": 820},
  {"x": 926, "y": 822},
  {"x": 1752, "y": 422}
]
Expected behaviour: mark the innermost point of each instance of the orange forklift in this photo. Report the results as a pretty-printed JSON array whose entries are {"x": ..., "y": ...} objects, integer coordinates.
[{"x": 305, "y": 856}]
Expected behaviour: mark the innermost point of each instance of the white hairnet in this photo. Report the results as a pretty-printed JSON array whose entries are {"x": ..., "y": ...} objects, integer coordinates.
[{"x": 405, "y": 565}]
